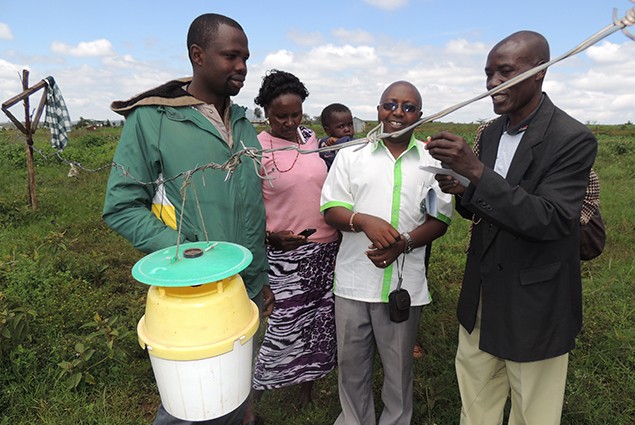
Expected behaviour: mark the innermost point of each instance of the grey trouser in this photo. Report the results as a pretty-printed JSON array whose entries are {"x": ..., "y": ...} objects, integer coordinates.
[{"x": 361, "y": 327}]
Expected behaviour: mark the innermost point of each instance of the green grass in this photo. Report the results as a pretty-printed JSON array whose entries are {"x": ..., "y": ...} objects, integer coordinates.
[{"x": 61, "y": 269}]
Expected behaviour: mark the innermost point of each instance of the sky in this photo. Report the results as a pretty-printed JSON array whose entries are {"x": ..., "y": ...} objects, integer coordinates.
[{"x": 345, "y": 51}]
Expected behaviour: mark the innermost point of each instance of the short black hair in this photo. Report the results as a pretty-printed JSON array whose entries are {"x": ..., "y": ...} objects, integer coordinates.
[
  {"x": 327, "y": 112},
  {"x": 277, "y": 83},
  {"x": 204, "y": 29}
]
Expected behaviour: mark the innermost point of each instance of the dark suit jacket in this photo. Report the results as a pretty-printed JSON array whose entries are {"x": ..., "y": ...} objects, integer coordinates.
[{"x": 523, "y": 259}]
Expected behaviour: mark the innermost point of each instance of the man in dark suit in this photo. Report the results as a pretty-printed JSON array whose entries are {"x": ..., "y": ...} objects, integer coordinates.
[{"x": 520, "y": 306}]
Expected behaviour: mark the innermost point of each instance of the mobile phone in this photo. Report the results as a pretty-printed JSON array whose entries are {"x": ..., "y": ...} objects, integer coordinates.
[{"x": 307, "y": 232}]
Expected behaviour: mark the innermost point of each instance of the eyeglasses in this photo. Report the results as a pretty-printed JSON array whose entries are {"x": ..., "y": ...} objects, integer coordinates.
[{"x": 408, "y": 108}]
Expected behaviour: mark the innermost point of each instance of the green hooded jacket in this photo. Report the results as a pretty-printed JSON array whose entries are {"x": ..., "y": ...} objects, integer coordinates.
[{"x": 163, "y": 137}]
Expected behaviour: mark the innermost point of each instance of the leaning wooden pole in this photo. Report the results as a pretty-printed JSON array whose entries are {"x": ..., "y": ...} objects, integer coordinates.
[{"x": 29, "y": 143}]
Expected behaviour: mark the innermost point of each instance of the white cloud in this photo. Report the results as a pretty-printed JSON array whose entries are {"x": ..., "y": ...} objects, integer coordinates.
[
  {"x": 354, "y": 69},
  {"x": 10, "y": 80},
  {"x": 125, "y": 61},
  {"x": 279, "y": 59},
  {"x": 338, "y": 58},
  {"x": 553, "y": 86},
  {"x": 602, "y": 80},
  {"x": 610, "y": 53},
  {"x": 302, "y": 38},
  {"x": 357, "y": 75},
  {"x": 598, "y": 90},
  {"x": 398, "y": 53},
  {"x": 387, "y": 4},
  {"x": 464, "y": 47},
  {"x": 101, "y": 47},
  {"x": 615, "y": 60},
  {"x": 89, "y": 90},
  {"x": 353, "y": 36},
  {"x": 5, "y": 32},
  {"x": 8, "y": 69},
  {"x": 445, "y": 77}
]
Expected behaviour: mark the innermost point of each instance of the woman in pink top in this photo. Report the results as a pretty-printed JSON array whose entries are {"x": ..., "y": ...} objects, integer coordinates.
[{"x": 299, "y": 343}]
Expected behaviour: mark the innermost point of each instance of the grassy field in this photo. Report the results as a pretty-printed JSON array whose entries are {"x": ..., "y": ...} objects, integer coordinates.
[{"x": 69, "y": 306}]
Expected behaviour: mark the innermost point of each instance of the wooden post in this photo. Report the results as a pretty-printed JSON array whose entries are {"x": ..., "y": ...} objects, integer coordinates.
[
  {"x": 29, "y": 127},
  {"x": 29, "y": 143}
]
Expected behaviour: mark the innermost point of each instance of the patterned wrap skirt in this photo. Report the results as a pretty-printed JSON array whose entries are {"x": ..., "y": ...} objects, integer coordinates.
[{"x": 299, "y": 342}]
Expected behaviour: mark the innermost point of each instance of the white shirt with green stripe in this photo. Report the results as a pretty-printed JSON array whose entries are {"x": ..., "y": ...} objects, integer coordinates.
[{"x": 371, "y": 181}]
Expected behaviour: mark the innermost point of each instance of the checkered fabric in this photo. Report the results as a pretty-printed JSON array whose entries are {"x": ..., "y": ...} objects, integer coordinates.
[
  {"x": 56, "y": 118},
  {"x": 477, "y": 140},
  {"x": 591, "y": 200}
]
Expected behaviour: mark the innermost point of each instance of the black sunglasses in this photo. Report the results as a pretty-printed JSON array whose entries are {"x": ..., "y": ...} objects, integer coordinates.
[{"x": 408, "y": 108}]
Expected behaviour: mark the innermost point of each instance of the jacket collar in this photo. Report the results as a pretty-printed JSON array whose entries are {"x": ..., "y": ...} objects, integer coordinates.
[
  {"x": 168, "y": 94},
  {"x": 536, "y": 125},
  {"x": 411, "y": 144},
  {"x": 524, "y": 124}
]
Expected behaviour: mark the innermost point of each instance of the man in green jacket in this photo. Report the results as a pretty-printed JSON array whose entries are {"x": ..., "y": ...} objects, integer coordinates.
[{"x": 175, "y": 128}]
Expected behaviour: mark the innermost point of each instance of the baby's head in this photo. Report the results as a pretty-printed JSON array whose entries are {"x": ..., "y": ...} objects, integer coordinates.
[{"x": 337, "y": 120}]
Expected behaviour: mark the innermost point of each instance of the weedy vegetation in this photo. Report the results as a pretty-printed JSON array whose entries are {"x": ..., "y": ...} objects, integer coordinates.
[{"x": 69, "y": 307}]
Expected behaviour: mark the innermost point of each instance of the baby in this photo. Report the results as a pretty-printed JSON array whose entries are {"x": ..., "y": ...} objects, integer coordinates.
[{"x": 337, "y": 121}]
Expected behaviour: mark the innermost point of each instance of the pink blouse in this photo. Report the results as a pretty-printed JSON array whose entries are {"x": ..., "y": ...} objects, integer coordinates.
[{"x": 292, "y": 195}]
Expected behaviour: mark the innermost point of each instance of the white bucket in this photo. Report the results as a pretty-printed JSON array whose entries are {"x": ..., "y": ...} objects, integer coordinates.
[{"x": 199, "y": 390}]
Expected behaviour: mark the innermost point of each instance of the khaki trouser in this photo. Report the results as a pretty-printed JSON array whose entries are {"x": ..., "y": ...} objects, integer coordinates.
[{"x": 485, "y": 382}]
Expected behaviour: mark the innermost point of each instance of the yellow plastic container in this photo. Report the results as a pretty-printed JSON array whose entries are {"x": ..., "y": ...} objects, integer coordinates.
[
  {"x": 198, "y": 332},
  {"x": 196, "y": 322}
]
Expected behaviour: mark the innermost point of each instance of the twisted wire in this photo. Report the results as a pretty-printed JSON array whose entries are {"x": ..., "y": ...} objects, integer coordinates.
[
  {"x": 617, "y": 25},
  {"x": 375, "y": 134}
]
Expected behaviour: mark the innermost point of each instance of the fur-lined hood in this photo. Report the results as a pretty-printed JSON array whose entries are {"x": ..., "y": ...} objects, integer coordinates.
[{"x": 168, "y": 94}]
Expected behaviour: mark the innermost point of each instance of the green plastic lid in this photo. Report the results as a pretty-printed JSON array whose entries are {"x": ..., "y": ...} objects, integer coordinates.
[{"x": 196, "y": 263}]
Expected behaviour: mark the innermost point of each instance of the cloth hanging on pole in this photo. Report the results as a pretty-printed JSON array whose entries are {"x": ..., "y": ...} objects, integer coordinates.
[{"x": 57, "y": 118}]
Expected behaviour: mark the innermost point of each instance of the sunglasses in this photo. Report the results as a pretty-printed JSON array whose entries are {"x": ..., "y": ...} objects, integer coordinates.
[{"x": 408, "y": 108}]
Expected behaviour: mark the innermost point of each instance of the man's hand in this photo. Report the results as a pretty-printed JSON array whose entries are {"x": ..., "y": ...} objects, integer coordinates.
[
  {"x": 383, "y": 258},
  {"x": 449, "y": 184},
  {"x": 381, "y": 233},
  {"x": 454, "y": 152}
]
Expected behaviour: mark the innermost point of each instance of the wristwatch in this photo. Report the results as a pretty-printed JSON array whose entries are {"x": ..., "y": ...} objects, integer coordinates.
[{"x": 408, "y": 239}]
